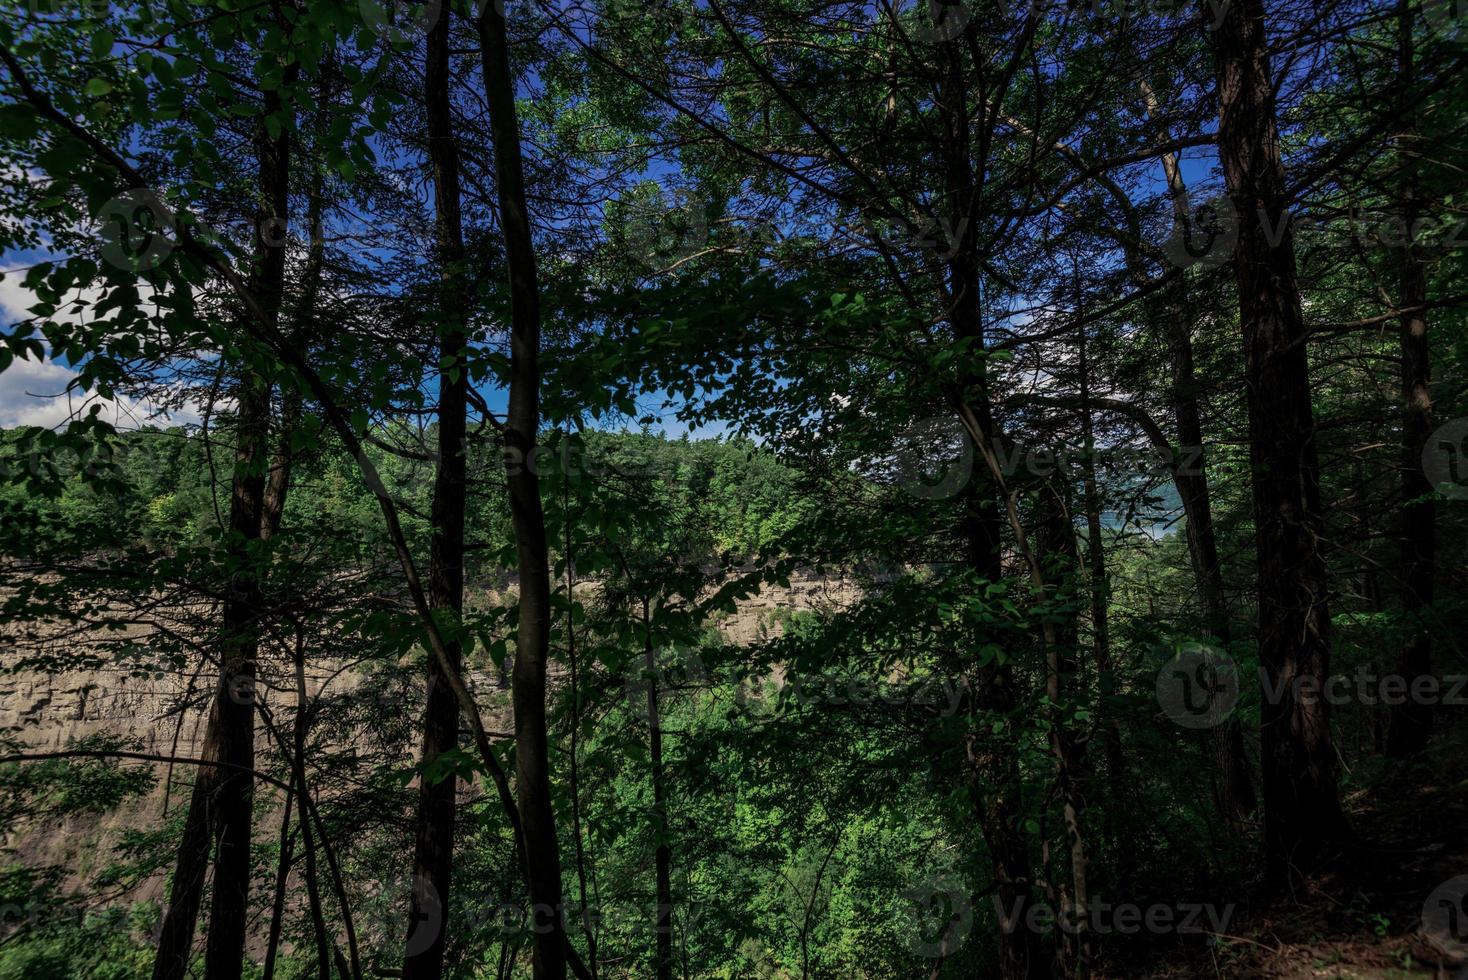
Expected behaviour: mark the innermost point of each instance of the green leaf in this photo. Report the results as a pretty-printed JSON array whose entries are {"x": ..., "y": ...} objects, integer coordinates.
[{"x": 18, "y": 122}]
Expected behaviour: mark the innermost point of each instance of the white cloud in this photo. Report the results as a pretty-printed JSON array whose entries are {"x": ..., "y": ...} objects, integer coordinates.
[
  {"x": 36, "y": 392},
  {"x": 29, "y": 393},
  {"x": 14, "y": 298}
]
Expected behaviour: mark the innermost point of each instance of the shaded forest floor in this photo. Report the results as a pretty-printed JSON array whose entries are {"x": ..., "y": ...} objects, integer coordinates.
[{"x": 1361, "y": 918}]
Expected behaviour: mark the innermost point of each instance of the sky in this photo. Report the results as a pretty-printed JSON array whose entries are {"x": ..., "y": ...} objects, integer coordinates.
[
  {"x": 35, "y": 392},
  {"x": 24, "y": 380}
]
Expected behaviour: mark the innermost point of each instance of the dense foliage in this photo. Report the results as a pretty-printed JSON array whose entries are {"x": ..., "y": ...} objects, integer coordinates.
[{"x": 734, "y": 488}]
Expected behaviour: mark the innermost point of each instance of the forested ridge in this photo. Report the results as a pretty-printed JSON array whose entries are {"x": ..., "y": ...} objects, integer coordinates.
[{"x": 733, "y": 488}]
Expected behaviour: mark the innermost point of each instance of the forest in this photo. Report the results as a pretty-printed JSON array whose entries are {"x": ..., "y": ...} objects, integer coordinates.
[{"x": 871, "y": 489}]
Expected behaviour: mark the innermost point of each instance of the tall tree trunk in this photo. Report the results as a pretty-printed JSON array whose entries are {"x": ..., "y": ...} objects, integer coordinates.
[
  {"x": 1301, "y": 798},
  {"x": 433, "y": 852},
  {"x": 532, "y": 761},
  {"x": 1410, "y": 722},
  {"x": 282, "y": 874},
  {"x": 994, "y": 783},
  {"x": 277, "y": 487},
  {"x": 278, "y": 482},
  {"x": 229, "y": 910},
  {"x": 221, "y": 806},
  {"x": 993, "y": 770},
  {"x": 308, "y": 840},
  {"x": 575, "y": 679},
  {"x": 1235, "y": 788},
  {"x": 186, "y": 892},
  {"x": 663, "y": 855},
  {"x": 292, "y": 399},
  {"x": 1076, "y": 903},
  {"x": 1168, "y": 312},
  {"x": 1060, "y": 567},
  {"x": 1100, "y": 590},
  {"x": 994, "y": 776}
]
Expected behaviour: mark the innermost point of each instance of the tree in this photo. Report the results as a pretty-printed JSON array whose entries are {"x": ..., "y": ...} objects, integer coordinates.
[{"x": 1302, "y": 811}]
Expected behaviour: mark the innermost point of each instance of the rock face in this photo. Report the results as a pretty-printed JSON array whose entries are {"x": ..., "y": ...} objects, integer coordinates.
[
  {"x": 762, "y": 616},
  {"x": 51, "y": 711},
  {"x": 47, "y": 712},
  {"x": 164, "y": 714}
]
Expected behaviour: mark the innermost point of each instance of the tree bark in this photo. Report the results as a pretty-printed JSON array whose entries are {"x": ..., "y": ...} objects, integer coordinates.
[
  {"x": 308, "y": 840},
  {"x": 221, "y": 807},
  {"x": 1168, "y": 312},
  {"x": 277, "y": 484},
  {"x": 993, "y": 772},
  {"x": 1060, "y": 563},
  {"x": 1410, "y": 722},
  {"x": 186, "y": 892},
  {"x": 423, "y": 957},
  {"x": 1235, "y": 788},
  {"x": 993, "y": 781},
  {"x": 1301, "y": 799},
  {"x": 282, "y": 874},
  {"x": 532, "y": 762},
  {"x": 229, "y": 910},
  {"x": 663, "y": 854},
  {"x": 1100, "y": 594}
]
